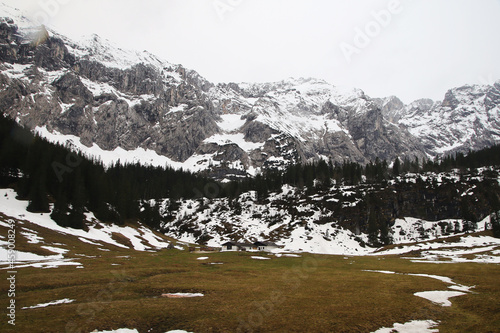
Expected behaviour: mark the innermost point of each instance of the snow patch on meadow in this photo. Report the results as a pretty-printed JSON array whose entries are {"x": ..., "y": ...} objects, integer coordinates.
[
  {"x": 44, "y": 305},
  {"x": 440, "y": 297},
  {"x": 414, "y": 326}
]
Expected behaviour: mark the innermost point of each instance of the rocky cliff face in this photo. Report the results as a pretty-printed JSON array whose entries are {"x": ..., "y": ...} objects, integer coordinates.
[
  {"x": 468, "y": 118},
  {"x": 113, "y": 98},
  {"x": 60, "y": 85},
  {"x": 320, "y": 120}
]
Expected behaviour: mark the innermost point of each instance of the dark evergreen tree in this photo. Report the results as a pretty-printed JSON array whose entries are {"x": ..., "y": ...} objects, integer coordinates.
[
  {"x": 60, "y": 212},
  {"x": 36, "y": 168},
  {"x": 469, "y": 223},
  {"x": 449, "y": 229},
  {"x": 373, "y": 229},
  {"x": 396, "y": 167},
  {"x": 38, "y": 202},
  {"x": 322, "y": 175},
  {"x": 495, "y": 223},
  {"x": 76, "y": 218},
  {"x": 406, "y": 165},
  {"x": 385, "y": 236}
]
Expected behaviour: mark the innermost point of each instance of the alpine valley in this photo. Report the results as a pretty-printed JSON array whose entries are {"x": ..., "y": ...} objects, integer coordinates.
[
  {"x": 118, "y": 169},
  {"x": 126, "y": 107}
]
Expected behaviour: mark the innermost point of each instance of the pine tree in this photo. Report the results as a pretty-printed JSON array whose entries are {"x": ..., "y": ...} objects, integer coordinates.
[
  {"x": 449, "y": 228},
  {"x": 38, "y": 202},
  {"x": 60, "y": 211},
  {"x": 261, "y": 187},
  {"x": 385, "y": 237},
  {"x": 38, "y": 163},
  {"x": 76, "y": 216},
  {"x": 373, "y": 229},
  {"x": 469, "y": 223},
  {"x": 495, "y": 223},
  {"x": 396, "y": 168},
  {"x": 406, "y": 165}
]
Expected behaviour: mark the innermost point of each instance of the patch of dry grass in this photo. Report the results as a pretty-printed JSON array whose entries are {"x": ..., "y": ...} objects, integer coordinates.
[
  {"x": 307, "y": 294},
  {"x": 122, "y": 288}
]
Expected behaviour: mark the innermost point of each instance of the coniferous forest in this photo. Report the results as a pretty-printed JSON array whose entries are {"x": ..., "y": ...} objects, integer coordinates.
[
  {"x": 45, "y": 173},
  {"x": 42, "y": 172}
]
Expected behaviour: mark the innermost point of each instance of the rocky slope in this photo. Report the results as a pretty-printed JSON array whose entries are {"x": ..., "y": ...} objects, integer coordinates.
[
  {"x": 340, "y": 219},
  {"x": 109, "y": 98},
  {"x": 468, "y": 118}
]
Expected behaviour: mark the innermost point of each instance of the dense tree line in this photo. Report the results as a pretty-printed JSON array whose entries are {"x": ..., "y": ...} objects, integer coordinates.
[
  {"x": 320, "y": 175},
  {"x": 313, "y": 177},
  {"x": 473, "y": 159},
  {"x": 42, "y": 172}
]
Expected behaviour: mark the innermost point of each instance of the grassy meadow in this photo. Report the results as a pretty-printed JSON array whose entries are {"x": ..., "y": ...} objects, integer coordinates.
[{"x": 312, "y": 293}]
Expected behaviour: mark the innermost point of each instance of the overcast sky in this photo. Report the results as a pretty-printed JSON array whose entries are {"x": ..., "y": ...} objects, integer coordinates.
[{"x": 408, "y": 48}]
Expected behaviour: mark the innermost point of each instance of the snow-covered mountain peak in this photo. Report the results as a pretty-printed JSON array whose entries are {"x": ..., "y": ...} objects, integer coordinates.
[
  {"x": 469, "y": 95},
  {"x": 96, "y": 48},
  {"x": 91, "y": 47},
  {"x": 468, "y": 118},
  {"x": 122, "y": 99},
  {"x": 304, "y": 94}
]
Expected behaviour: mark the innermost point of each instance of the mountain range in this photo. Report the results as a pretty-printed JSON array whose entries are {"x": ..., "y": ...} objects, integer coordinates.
[{"x": 131, "y": 106}]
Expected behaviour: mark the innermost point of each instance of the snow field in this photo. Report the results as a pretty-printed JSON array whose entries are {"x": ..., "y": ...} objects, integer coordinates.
[{"x": 195, "y": 163}]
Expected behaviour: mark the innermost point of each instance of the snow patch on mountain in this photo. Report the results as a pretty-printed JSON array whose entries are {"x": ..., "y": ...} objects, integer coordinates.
[
  {"x": 95, "y": 48},
  {"x": 231, "y": 122},
  {"x": 139, "y": 155},
  {"x": 468, "y": 118},
  {"x": 238, "y": 139}
]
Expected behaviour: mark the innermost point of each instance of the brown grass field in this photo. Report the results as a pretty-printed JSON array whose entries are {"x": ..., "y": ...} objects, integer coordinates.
[{"x": 313, "y": 293}]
